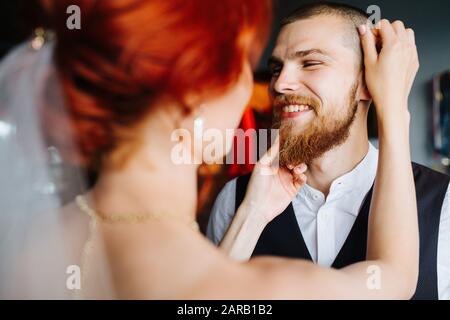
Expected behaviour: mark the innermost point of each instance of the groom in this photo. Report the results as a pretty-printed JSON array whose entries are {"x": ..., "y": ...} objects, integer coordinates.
[{"x": 318, "y": 81}]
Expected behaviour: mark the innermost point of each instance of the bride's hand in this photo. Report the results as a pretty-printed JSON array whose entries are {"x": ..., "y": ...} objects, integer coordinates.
[
  {"x": 272, "y": 188},
  {"x": 390, "y": 73}
]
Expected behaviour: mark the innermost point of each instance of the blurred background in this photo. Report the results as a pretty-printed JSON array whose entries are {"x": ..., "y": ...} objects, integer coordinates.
[{"x": 429, "y": 100}]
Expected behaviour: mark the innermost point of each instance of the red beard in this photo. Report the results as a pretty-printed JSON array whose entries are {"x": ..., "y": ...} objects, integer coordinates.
[{"x": 322, "y": 134}]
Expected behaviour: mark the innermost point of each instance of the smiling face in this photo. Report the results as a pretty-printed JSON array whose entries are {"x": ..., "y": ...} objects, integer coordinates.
[{"x": 316, "y": 86}]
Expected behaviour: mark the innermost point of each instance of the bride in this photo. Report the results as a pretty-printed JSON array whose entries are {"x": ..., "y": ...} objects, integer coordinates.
[{"x": 108, "y": 97}]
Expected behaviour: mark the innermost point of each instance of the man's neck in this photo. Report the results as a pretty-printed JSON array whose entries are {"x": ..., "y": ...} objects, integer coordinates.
[{"x": 338, "y": 161}]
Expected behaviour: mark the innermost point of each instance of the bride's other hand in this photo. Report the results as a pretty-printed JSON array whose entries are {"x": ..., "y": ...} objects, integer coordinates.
[
  {"x": 390, "y": 73},
  {"x": 271, "y": 187},
  {"x": 270, "y": 190}
]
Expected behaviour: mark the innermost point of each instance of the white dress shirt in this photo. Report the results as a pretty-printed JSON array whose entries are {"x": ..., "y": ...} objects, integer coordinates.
[{"x": 325, "y": 223}]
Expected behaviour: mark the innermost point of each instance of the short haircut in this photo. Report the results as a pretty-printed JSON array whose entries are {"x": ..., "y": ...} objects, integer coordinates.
[{"x": 351, "y": 15}]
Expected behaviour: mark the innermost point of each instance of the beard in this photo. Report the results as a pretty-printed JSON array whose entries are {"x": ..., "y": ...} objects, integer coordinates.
[{"x": 321, "y": 135}]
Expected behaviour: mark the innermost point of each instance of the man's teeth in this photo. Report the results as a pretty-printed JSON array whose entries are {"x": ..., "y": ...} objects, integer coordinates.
[{"x": 296, "y": 108}]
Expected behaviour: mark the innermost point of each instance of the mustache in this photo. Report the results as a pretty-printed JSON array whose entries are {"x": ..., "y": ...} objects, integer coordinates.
[{"x": 281, "y": 101}]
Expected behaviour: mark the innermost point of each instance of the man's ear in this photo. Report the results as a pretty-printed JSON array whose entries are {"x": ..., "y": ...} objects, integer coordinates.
[{"x": 364, "y": 94}]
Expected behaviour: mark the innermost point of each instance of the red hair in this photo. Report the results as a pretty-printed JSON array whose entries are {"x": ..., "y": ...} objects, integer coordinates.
[{"x": 130, "y": 52}]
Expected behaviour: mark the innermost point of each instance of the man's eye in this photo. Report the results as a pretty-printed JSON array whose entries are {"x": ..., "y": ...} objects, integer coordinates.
[
  {"x": 275, "y": 71},
  {"x": 311, "y": 64}
]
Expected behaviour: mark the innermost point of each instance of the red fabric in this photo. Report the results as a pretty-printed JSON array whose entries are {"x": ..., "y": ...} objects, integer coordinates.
[{"x": 248, "y": 122}]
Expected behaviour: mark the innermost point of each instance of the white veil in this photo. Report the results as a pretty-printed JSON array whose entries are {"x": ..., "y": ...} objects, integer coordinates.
[{"x": 40, "y": 245}]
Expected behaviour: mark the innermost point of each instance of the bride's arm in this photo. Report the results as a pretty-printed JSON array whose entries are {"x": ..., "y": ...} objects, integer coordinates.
[{"x": 393, "y": 226}]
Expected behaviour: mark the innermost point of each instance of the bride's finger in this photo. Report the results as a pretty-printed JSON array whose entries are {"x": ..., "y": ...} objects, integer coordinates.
[
  {"x": 272, "y": 153},
  {"x": 368, "y": 45},
  {"x": 411, "y": 36},
  {"x": 298, "y": 173},
  {"x": 299, "y": 181},
  {"x": 300, "y": 168}
]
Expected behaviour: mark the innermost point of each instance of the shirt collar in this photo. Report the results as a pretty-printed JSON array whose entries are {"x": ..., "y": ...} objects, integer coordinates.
[
  {"x": 361, "y": 176},
  {"x": 357, "y": 182}
]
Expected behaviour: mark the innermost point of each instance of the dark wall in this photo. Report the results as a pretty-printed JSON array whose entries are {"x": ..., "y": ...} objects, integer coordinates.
[{"x": 17, "y": 19}]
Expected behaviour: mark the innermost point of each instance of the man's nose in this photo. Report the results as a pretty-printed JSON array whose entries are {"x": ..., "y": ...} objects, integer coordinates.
[{"x": 287, "y": 82}]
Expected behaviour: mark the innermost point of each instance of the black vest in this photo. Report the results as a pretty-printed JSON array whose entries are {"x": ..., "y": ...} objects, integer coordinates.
[{"x": 282, "y": 236}]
